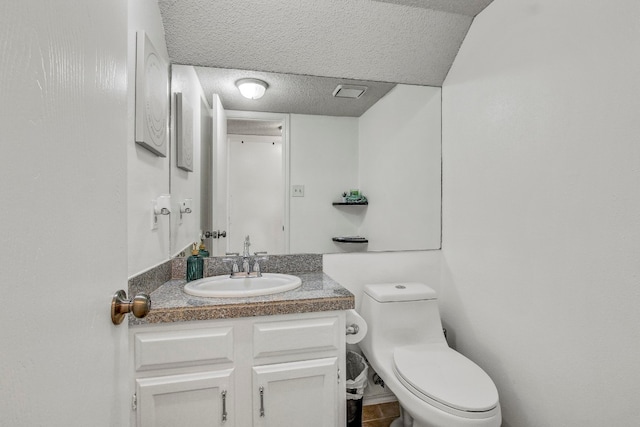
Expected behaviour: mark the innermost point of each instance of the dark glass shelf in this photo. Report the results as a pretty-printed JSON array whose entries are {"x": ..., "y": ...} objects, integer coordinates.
[
  {"x": 346, "y": 239},
  {"x": 349, "y": 204}
]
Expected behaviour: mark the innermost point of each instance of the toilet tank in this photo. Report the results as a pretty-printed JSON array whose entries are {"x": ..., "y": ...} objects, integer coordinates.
[{"x": 401, "y": 314}]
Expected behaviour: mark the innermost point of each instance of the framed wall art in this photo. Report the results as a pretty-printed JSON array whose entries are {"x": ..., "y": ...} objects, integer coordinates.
[
  {"x": 184, "y": 133},
  {"x": 152, "y": 97}
]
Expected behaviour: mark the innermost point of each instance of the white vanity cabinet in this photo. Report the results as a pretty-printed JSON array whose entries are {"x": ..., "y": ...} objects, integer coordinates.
[{"x": 264, "y": 371}]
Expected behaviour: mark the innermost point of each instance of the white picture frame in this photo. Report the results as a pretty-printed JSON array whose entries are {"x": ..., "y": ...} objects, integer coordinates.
[
  {"x": 152, "y": 97},
  {"x": 184, "y": 133}
]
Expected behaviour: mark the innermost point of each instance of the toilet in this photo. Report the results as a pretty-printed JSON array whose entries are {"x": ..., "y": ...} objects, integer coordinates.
[{"x": 435, "y": 385}]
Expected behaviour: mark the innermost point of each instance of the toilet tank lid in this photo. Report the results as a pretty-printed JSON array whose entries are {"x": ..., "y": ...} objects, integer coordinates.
[{"x": 401, "y": 291}]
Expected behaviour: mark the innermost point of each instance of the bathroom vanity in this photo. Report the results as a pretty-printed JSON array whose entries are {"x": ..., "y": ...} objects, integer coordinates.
[{"x": 273, "y": 361}]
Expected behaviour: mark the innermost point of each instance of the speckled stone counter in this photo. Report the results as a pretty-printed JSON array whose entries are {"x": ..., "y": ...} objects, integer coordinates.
[{"x": 169, "y": 303}]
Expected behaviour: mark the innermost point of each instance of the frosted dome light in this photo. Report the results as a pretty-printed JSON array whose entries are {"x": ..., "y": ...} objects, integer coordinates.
[{"x": 252, "y": 88}]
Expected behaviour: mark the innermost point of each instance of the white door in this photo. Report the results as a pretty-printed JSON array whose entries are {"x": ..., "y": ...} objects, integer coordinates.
[
  {"x": 63, "y": 223},
  {"x": 256, "y": 193},
  {"x": 258, "y": 185},
  {"x": 296, "y": 394},
  {"x": 201, "y": 399},
  {"x": 219, "y": 176}
]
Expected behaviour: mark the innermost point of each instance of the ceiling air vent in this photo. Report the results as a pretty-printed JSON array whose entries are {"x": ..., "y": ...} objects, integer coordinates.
[{"x": 349, "y": 91}]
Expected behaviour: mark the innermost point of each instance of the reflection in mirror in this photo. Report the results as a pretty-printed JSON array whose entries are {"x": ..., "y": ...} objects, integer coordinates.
[
  {"x": 388, "y": 150},
  {"x": 256, "y": 184},
  {"x": 290, "y": 93}
]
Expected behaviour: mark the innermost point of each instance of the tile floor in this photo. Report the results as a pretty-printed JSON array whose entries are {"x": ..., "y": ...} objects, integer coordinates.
[{"x": 380, "y": 415}]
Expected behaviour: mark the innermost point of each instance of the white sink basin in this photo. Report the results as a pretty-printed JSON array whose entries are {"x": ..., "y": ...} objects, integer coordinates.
[{"x": 226, "y": 287}]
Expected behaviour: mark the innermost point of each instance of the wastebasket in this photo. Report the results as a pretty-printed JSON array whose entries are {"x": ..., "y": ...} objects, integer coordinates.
[{"x": 356, "y": 382}]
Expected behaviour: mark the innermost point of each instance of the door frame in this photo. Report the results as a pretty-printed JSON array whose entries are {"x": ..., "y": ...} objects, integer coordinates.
[{"x": 206, "y": 166}]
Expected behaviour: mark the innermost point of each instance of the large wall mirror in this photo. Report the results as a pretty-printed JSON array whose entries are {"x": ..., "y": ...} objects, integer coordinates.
[{"x": 276, "y": 168}]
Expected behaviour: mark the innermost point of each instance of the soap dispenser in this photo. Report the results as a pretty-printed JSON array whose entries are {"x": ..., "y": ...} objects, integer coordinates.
[
  {"x": 195, "y": 264},
  {"x": 203, "y": 252}
]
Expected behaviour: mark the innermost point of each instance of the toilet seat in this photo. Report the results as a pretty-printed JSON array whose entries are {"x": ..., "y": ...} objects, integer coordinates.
[{"x": 446, "y": 379}]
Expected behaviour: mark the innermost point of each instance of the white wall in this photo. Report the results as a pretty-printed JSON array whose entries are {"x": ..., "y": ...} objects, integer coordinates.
[
  {"x": 256, "y": 193},
  {"x": 541, "y": 235},
  {"x": 147, "y": 174},
  {"x": 399, "y": 169},
  {"x": 324, "y": 158},
  {"x": 185, "y": 184}
]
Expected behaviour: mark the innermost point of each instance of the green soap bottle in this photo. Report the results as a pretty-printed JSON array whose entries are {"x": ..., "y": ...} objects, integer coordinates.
[{"x": 195, "y": 266}]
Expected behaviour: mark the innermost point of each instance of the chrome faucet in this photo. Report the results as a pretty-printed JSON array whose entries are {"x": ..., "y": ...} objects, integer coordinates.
[
  {"x": 247, "y": 269},
  {"x": 245, "y": 252}
]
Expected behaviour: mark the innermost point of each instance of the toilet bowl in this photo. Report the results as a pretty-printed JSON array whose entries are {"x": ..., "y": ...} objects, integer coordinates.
[{"x": 435, "y": 385}]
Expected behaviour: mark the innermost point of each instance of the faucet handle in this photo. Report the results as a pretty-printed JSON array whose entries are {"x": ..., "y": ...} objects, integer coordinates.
[
  {"x": 234, "y": 268},
  {"x": 260, "y": 253},
  {"x": 256, "y": 268}
]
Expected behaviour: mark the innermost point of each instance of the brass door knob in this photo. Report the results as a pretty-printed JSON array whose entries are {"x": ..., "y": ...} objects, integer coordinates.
[{"x": 120, "y": 305}]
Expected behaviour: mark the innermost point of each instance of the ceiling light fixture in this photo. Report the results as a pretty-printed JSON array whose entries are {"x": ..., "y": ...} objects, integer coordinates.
[{"x": 252, "y": 88}]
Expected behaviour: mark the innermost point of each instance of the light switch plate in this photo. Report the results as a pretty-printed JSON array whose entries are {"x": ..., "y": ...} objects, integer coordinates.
[{"x": 297, "y": 191}]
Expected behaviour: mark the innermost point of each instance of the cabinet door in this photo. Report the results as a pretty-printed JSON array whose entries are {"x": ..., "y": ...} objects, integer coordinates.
[
  {"x": 296, "y": 394},
  {"x": 195, "y": 400}
]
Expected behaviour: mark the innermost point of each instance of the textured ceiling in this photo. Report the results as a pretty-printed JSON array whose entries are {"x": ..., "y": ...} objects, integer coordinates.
[
  {"x": 289, "y": 93},
  {"x": 401, "y": 41}
]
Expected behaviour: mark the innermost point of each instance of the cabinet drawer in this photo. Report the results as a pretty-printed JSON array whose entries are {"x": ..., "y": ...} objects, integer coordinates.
[
  {"x": 183, "y": 348},
  {"x": 299, "y": 336}
]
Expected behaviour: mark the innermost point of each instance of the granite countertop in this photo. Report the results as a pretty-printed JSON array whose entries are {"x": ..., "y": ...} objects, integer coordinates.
[{"x": 319, "y": 292}]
